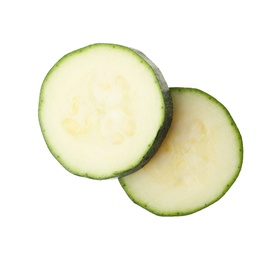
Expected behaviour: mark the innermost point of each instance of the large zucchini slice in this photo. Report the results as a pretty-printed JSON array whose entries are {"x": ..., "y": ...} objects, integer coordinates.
[
  {"x": 197, "y": 163},
  {"x": 104, "y": 110}
]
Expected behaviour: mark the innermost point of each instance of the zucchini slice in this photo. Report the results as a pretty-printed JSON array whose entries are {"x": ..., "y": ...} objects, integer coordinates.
[
  {"x": 104, "y": 110},
  {"x": 197, "y": 163}
]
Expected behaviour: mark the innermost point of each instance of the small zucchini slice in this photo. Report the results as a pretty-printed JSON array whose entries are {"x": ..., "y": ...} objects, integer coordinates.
[
  {"x": 197, "y": 163},
  {"x": 104, "y": 110}
]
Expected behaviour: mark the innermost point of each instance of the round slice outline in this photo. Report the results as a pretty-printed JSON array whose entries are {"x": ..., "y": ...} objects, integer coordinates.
[
  {"x": 165, "y": 110},
  {"x": 141, "y": 196}
]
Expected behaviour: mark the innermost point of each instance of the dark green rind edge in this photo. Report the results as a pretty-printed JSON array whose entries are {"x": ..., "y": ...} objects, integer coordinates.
[
  {"x": 227, "y": 187},
  {"x": 161, "y": 134}
]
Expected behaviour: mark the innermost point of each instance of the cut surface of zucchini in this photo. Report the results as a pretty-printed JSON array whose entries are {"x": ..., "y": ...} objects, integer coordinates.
[
  {"x": 197, "y": 163},
  {"x": 104, "y": 110}
]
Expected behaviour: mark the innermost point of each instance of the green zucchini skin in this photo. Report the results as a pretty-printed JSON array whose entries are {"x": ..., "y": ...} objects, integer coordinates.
[
  {"x": 162, "y": 131},
  {"x": 226, "y": 187},
  {"x": 154, "y": 147}
]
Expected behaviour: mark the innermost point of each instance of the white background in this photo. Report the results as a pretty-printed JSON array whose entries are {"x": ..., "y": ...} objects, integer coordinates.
[{"x": 229, "y": 49}]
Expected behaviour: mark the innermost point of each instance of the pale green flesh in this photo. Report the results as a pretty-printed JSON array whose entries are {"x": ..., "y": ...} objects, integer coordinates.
[
  {"x": 102, "y": 109},
  {"x": 197, "y": 163}
]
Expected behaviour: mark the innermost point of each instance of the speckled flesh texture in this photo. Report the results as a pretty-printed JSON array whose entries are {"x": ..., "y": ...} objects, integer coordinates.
[
  {"x": 104, "y": 110},
  {"x": 198, "y": 162}
]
